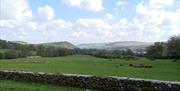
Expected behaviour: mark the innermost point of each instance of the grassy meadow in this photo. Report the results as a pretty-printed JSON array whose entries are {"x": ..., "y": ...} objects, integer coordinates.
[
  {"x": 8, "y": 85},
  {"x": 83, "y": 64}
]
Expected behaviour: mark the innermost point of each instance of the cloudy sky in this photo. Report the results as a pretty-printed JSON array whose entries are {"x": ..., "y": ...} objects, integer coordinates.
[{"x": 89, "y": 21}]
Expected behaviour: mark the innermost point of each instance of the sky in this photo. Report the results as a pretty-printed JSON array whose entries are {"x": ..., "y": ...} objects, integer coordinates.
[{"x": 89, "y": 21}]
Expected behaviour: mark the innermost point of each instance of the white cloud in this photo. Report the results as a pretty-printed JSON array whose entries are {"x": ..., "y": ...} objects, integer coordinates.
[
  {"x": 120, "y": 5},
  {"x": 153, "y": 22},
  {"x": 94, "y": 29},
  {"x": 92, "y": 24},
  {"x": 157, "y": 21},
  {"x": 56, "y": 25},
  {"x": 15, "y": 10},
  {"x": 24, "y": 33},
  {"x": 7, "y": 23},
  {"x": 91, "y": 5},
  {"x": 120, "y": 33},
  {"x": 15, "y": 25},
  {"x": 49, "y": 35},
  {"x": 108, "y": 17},
  {"x": 46, "y": 12},
  {"x": 161, "y": 2},
  {"x": 14, "y": 14},
  {"x": 79, "y": 34},
  {"x": 149, "y": 24},
  {"x": 31, "y": 25}
]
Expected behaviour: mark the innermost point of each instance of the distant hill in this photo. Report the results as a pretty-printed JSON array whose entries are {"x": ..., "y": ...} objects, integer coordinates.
[
  {"x": 63, "y": 44},
  {"x": 92, "y": 46},
  {"x": 20, "y": 42},
  {"x": 121, "y": 45}
]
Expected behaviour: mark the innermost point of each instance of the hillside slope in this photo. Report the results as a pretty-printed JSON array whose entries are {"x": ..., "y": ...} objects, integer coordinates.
[
  {"x": 121, "y": 45},
  {"x": 63, "y": 44}
]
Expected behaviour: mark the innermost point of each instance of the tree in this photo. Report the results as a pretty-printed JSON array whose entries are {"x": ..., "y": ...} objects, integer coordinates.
[
  {"x": 129, "y": 52},
  {"x": 155, "y": 51},
  {"x": 174, "y": 47},
  {"x": 3, "y": 44},
  {"x": 40, "y": 50},
  {"x": 10, "y": 54},
  {"x": 1, "y": 55}
]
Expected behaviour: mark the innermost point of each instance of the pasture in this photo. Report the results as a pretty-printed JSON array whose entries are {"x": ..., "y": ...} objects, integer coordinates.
[
  {"x": 82, "y": 64},
  {"x": 8, "y": 85}
]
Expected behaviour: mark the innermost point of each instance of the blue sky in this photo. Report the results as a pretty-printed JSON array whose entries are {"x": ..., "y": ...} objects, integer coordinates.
[{"x": 89, "y": 21}]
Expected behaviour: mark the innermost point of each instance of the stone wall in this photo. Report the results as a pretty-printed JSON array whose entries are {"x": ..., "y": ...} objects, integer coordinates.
[{"x": 93, "y": 82}]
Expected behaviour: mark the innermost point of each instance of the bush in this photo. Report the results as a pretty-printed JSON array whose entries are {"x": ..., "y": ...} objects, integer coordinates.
[
  {"x": 1, "y": 55},
  {"x": 11, "y": 54}
]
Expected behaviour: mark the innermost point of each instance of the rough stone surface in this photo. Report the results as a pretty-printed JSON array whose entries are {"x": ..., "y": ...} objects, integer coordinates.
[{"x": 92, "y": 82}]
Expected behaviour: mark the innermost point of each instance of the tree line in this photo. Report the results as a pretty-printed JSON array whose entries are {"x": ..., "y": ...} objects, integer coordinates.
[
  {"x": 15, "y": 50},
  {"x": 165, "y": 50},
  {"x": 169, "y": 49}
]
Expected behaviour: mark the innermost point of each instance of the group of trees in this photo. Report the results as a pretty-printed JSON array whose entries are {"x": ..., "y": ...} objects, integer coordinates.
[
  {"x": 16, "y": 46},
  {"x": 169, "y": 49},
  {"x": 12, "y": 53},
  {"x": 55, "y": 52},
  {"x": 50, "y": 51},
  {"x": 106, "y": 53},
  {"x": 15, "y": 50}
]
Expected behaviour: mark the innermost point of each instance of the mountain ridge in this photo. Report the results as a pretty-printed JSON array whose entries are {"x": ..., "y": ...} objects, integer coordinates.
[
  {"x": 119, "y": 45},
  {"x": 62, "y": 44}
]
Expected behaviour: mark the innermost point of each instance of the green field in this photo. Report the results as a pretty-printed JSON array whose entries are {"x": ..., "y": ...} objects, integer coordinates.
[
  {"x": 82, "y": 64},
  {"x": 7, "y": 85}
]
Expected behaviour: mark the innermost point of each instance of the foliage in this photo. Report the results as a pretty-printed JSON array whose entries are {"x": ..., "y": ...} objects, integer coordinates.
[
  {"x": 1, "y": 55},
  {"x": 174, "y": 47},
  {"x": 108, "y": 54},
  {"x": 10, "y": 54},
  {"x": 171, "y": 49},
  {"x": 155, "y": 51}
]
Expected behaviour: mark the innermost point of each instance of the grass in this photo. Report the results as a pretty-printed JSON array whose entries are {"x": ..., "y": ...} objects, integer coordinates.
[
  {"x": 82, "y": 64},
  {"x": 7, "y": 85}
]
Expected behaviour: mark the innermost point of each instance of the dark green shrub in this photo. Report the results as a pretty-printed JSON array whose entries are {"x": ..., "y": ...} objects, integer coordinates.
[
  {"x": 10, "y": 54},
  {"x": 1, "y": 55}
]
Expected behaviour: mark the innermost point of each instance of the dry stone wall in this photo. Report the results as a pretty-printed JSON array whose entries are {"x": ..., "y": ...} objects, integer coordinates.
[{"x": 92, "y": 82}]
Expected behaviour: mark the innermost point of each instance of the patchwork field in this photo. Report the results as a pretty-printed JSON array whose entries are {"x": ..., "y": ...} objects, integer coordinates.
[{"x": 82, "y": 64}]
